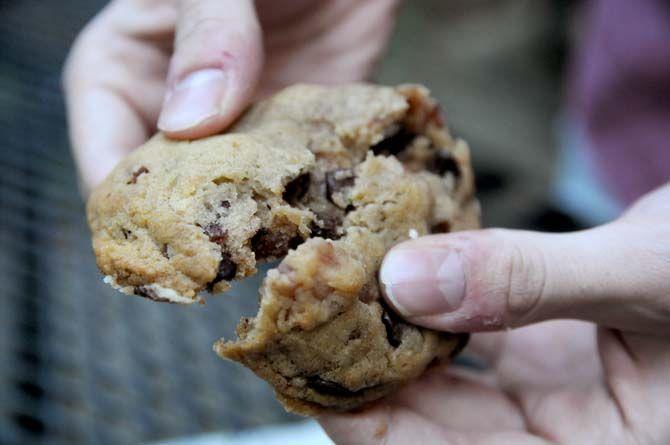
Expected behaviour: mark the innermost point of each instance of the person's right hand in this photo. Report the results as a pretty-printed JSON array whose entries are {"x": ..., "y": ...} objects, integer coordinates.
[
  {"x": 190, "y": 67},
  {"x": 604, "y": 380}
]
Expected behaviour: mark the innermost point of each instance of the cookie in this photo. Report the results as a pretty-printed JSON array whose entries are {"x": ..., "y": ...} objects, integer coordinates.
[{"x": 331, "y": 176}]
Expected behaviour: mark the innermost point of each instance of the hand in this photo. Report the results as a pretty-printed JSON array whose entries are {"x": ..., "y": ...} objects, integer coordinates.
[
  {"x": 196, "y": 64},
  {"x": 605, "y": 381}
]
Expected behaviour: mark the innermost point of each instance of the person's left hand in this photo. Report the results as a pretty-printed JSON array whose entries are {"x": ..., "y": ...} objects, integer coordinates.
[
  {"x": 605, "y": 381},
  {"x": 189, "y": 68}
]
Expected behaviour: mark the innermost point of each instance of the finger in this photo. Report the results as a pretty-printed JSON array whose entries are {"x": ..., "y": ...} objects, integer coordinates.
[
  {"x": 100, "y": 139},
  {"x": 383, "y": 423},
  {"x": 114, "y": 83},
  {"x": 615, "y": 275},
  {"x": 574, "y": 415},
  {"x": 216, "y": 64},
  {"x": 395, "y": 425},
  {"x": 459, "y": 400}
]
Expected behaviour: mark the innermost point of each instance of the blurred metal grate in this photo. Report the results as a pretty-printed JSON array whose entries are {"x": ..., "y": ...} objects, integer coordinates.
[{"x": 79, "y": 362}]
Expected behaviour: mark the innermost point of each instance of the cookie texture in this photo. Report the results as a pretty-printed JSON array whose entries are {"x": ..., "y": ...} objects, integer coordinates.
[{"x": 329, "y": 178}]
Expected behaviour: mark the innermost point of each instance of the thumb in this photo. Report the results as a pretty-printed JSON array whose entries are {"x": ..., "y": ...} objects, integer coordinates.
[
  {"x": 215, "y": 66},
  {"x": 615, "y": 275}
]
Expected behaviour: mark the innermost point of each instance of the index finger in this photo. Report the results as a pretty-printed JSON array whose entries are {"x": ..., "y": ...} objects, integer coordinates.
[{"x": 114, "y": 81}]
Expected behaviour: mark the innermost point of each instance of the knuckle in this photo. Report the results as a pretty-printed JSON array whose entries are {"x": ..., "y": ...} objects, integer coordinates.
[
  {"x": 207, "y": 31},
  {"x": 527, "y": 281},
  {"x": 516, "y": 276}
]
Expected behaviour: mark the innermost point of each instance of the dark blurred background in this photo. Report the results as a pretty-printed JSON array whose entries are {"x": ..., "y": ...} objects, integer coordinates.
[{"x": 82, "y": 364}]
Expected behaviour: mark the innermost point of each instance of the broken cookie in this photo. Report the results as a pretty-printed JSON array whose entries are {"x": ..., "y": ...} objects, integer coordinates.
[{"x": 330, "y": 178}]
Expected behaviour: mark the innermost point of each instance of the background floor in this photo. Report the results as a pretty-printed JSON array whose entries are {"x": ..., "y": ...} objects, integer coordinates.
[{"x": 81, "y": 364}]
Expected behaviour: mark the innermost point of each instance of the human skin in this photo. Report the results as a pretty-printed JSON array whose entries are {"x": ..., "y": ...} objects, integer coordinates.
[
  {"x": 548, "y": 380},
  {"x": 189, "y": 68}
]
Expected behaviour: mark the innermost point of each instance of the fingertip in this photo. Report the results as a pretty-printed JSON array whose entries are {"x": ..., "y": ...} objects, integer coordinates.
[
  {"x": 214, "y": 70},
  {"x": 195, "y": 106},
  {"x": 369, "y": 425},
  {"x": 423, "y": 280},
  {"x": 104, "y": 128},
  {"x": 205, "y": 102}
]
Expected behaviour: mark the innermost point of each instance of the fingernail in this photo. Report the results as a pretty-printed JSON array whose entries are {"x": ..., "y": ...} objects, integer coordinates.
[
  {"x": 423, "y": 281},
  {"x": 195, "y": 99}
]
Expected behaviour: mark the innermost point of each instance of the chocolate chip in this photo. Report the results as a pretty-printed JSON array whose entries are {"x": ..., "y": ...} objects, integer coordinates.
[
  {"x": 273, "y": 244},
  {"x": 126, "y": 233},
  {"x": 164, "y": 251},
  {"x": 394, "y": 144},
  {"x": 216, "y": 233},
  {"x": 296, "y": 189},
  {"x": 147, "y": 292},
  {"x": 443, "y": 162},
  {"x": 391, "y": 329},
  {"x": 294, "y": 242},
  {"x": 136, "y": 174},
  {"x": 329, "y": 388},
  {"x": 338, "y": 179},
  {"x": 441, "y": 227},
  {"x": 244, "y": 325},
  {"x": 227, "y": 268},
  {"x": 227, "y": 271},
  {"x": 393, "y": 325},
  {"x": 326, "y": 226},
  {"x": 225, "y": 204}
]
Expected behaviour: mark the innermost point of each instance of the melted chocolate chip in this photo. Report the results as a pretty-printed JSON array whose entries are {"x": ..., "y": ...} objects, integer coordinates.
[
  {"x": 394, "y": 144},
  {"x": 269, "y": 244},
  {"x": 443, "y": 162},
  {"x": 136, "y": 174},
  {"x": 326, "y": 226},
  {"x": 393, "y": 325},
  {"x": 216, "y": 233},
  {"x": 338, "y": 179},
  {"x": 227, "y": 271},
  {"x": 294, "y": 242},
  {"x": 296, "y": 189},
  {"x": 227, "y": 268},
  {"x": 126, "y": 233},
  {"x": 225, "y": 204},
  {"x": 441, "y": 227},
  {"x": 164, "y": 251},
  {"x": 329, "y": 388},
  {"x": 391, "y": 329}
]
